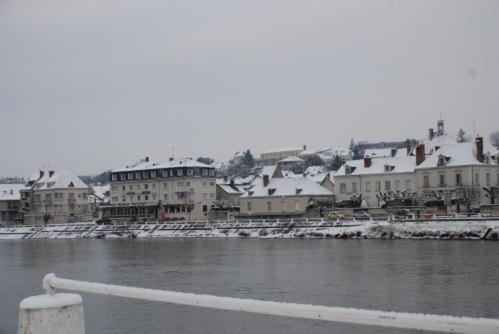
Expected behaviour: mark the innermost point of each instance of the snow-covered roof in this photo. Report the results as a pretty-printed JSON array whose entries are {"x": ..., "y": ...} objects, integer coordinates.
[
  {"x": 59, "y": 180},
  {"x": 405, "y": 164},
  {"x": 279, "y": 187},
  {"x": 384, "y": 152},
  {"x": 145, "y": 164},
  {"x": 10, "y": 192},
  {"x": 457, "y": 154},
  {"x": 314, "y": 170},
  {"x": 231, "y": 188},
  {"x": 292, "y": 159},
  {"x": 438, "y": 141},
  {"x": 283, "y": 149}
]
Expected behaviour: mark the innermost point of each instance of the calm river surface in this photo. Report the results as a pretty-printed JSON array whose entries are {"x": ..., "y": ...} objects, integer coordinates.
[{"x": 444, "y": 277}]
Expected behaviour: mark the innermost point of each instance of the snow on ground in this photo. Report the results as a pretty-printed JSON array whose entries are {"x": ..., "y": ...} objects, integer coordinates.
[{"x": 447, "y": 230}]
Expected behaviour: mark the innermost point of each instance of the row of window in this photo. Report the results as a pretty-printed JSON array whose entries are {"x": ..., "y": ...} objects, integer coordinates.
[
  {"x": 387, "y": 186},
  {"x": 152, "y": 174},
  {"x": 145, "y": 186},
  {"x": 145, "y": 198},
  {"x": 249, "y": 206},
  {"x": 458, "y": 180},
  {"x": 59, "y": 196}
]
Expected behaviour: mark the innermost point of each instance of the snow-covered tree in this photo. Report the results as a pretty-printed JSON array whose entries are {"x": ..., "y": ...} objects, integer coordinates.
[
  {"x": 494, "y": 139},
  {"x": 462, "y": 137},
  {"x": 468, "y": 196},
  {"x": 248, "y": 159}
]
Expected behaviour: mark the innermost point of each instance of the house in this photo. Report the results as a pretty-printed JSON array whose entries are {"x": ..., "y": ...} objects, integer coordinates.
[
  {"x": 274, "y": 195},
  {"x": 370, "y": 176},
  {"x": 454, "y": 168},
  {"x": 172, "y": 190},
  {"x": 272, "y": 156},
  {"x": 292, "y": 163},
  {"x": 55, "y": 197},
  {"x": 229, "y": 193},
  {"x": 10, "y": 203}
]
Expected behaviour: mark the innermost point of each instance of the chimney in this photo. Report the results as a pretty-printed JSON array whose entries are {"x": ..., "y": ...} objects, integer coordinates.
[
  {"x": 408, "y": 149},
  {"x": 231, "y": 182},
  {"x": 420, "y": 154},
  {"x": 367, "y": 162},
  {"x": 266, "y": 180},
  {"x": 393, "y": 152},
  {"x": 304, "y": 147},
  {"x": 171, "y": 159},
  {"x": 41, "y": 174},
  {"x": 479, "y": 149},
  {"x": 431, "y": 134},
  {"x": 147, "y": 159},
  {"x": 51, "y": 172}
]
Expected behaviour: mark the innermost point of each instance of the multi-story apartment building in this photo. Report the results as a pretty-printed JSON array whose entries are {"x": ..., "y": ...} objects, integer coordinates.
[
  {"x": 10, "y": 201},
  {"x": 55, "y": 197},
  {"x": 458, "y": 167},
  {"x": 172, "y": 190}
]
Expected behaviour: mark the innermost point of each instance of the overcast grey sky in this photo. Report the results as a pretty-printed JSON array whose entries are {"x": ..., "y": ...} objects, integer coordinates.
[{"x": 89, "y": 85}]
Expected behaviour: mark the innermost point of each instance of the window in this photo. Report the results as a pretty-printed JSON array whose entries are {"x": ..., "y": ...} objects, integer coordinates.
[
  {"x": 343, "y": 188},
  {"x": 165, "y": 185},
  {"x": 145, "y": 175},
  {"x": 130, "y": 176},
  {"x": 387, "y": 185},
  {"x": 354, "y": 187},
  {"x": 130, "y": 198},
  {"x": 146, "y": 186},
  {"x": 378, "y": 186},
  {"x": 114, "y": 199},
  {"x": 204, "y": 172},
  {"x": 368, "y": 186},
  {"x": 487, "y": 178},
  {"x": 114, "y": 177},
  {"x": 154, "y": 185},
  {"x": 205, "y": 184},
  {"x": 212, "y": 172},
  {"x": 171, "y": 172},
  {"x": 212, "y": 184},
  {"x": 269, "y": 206},
  {"x": 459, "y": 180},
  {"x": 249, "y": 206},
  {"x": 205, "y": 208},
  {"x": 213, "y": 195},
  {"x": 130, "y": 187},
  {"x": 123, "y": 188},
  {"x": 180, "y": 172},
  {"x": 165, "y": 197},
  {"x": 426, "y": 181},
  {"x": 205, "y": 195},
  {"x": 114, "y": 188},
  {"x": 138, "y": 197},
  {"x": 397, "y": 184},
  {"x": 477, "y": 178},
  {"x": 180, "y": 184},
  {"x": 408, "y": 185},
  {"x": 190, "y": 172},
  {"x": 138, "y": 187},
  {"x": 187, "y": 184},
  {"x": 164, "y": 172},
  {"x": 153, "y": 197},
  {"x": 123, "y": 177},
  {"x": 85, "y": 196},
  {"x": 442, "y": 180},
  {"x": 146, "y": 197},
  {"x": 153, "y": 174},
  {"x": 137, "y": 176}
]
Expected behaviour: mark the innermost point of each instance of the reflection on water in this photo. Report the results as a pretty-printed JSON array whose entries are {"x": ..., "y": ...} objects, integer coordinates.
[{"x": 455, "y": 278}]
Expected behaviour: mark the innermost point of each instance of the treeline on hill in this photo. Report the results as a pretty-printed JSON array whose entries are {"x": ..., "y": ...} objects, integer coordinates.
[
  {"x": 102, "y": 178},
  {"x": 12, "y": 180},
  {"x": 358, "y": 149}
]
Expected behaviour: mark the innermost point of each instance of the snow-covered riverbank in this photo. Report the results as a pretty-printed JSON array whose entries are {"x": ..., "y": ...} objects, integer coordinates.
[{"x": 445, "y": 230}]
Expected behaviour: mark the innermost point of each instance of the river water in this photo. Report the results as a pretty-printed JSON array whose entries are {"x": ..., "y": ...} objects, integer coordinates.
[{"x": 444, "y": 277}]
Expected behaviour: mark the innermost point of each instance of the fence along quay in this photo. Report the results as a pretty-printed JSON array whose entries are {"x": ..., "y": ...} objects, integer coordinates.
[{"x": 60, "y": 313}]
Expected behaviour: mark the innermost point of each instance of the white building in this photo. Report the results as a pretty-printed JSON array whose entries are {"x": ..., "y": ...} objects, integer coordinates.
[
  {"x": 58, "y": 197},
  {"x": 457, "y": 166},
  {"x": 272, "y": 156},
  {"x": 172, "y": 190},
  {"x": 10, "y": 202}
]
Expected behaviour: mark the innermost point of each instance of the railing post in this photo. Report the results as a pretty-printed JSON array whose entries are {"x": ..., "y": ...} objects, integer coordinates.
[{"x": 55, "y": 313}]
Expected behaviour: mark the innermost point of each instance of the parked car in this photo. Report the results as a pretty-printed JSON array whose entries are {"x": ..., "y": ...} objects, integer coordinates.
[
  {"x": 361, "y": 215},
  {"x": 403, "y": 214},
  {"x": 335, "y": 215}
]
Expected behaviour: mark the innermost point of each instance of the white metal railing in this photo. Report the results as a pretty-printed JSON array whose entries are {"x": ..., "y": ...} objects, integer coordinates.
[{"x": 416, "y": 321}]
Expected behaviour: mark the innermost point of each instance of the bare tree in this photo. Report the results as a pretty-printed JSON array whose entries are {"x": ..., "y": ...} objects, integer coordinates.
[
  {"x": 492, "y": 193},
  {"x": 494, "y": 139},
  {"x": 468, "y": 196},
  {"x": 462, "y": 137}
]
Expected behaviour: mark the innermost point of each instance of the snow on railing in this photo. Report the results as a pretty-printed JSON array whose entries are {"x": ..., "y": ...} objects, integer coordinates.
[{"x": 48, "y": 310}]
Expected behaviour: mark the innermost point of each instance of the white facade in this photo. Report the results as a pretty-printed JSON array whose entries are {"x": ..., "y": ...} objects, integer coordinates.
[{"x": 173, "y": 190}]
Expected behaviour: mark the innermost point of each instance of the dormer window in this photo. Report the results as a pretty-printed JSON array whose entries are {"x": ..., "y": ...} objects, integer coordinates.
[
  {"x": 250, "y": 193},
  {"x": 298, "y": 191},
  {"x": 349, "y": 169},
  {"x": 442, "y": 160},
  {"x": 271, "y": 191},
  {"x": 71, "y": 185},
  {"x": 389, "y": 168}
]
